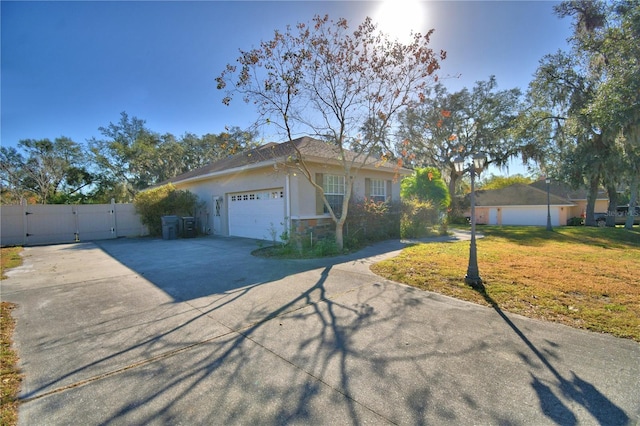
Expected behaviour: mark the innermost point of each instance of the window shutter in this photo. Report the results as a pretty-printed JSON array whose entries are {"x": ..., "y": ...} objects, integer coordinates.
[
  {"x": 319, "y": 202},
  {"x": 367, "y": 188},
  {"x": 389, "y": 198}
]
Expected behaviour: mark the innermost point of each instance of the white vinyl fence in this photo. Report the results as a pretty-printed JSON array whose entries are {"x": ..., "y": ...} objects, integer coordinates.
[{"x": 32, "y": 224}]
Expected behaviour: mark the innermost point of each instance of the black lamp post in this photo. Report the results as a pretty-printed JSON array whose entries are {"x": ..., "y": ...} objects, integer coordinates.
[
  {"x": 475, "y": 167},
  {"x": 549, "y": 228}
]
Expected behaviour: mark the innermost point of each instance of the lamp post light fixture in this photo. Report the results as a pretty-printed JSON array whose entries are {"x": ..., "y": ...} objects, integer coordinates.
[
  {"x": 549, "y": 228},
  {"x": 475, "y": 167}
]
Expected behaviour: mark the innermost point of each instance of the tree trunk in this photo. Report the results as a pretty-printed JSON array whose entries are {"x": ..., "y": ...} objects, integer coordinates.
[
  {"x": 343, "y": 214},
  {"x": 453, "y": 176},
  {"x": 590, "y": 220},
  {"x": 613, "y": 205},
  {"x": 340, "y": 234},
  {"x": 635, "y": 183}
]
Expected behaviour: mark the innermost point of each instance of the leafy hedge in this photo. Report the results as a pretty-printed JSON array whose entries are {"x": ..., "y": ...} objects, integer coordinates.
[
  {"x": 370, "y": 221},
  {"x": 164, "y": 200},
  {"x": 419, "y": 219}
]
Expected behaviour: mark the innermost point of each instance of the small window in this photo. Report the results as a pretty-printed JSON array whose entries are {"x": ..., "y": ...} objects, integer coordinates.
[
  {"x": 218, "y": 205},
  {"x": 378, "y": 190},
  {"x": 334, "y": 189}
]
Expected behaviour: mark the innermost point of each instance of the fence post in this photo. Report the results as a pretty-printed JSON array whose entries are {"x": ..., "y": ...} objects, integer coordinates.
[
  {"x": 75, "y": 212},
  {"x": 114, "y": 232},
  {"x": 23, "y": 203}
]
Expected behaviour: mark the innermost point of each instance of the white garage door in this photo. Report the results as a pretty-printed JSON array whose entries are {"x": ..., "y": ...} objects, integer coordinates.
[
  {"x": 254, "y": 214},
  {"x": 529, "y": 216}
]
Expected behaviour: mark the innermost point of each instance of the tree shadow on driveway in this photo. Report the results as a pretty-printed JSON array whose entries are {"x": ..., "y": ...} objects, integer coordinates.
[
  {"x": 318, "y": 361},
  {"x": 314, "y": 342},
  {"x": 575, "y": 388},
  {"x": 188, "y": 269}
]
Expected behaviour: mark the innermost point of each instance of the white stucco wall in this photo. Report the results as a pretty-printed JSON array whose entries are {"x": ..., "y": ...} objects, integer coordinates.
[
  {"x": 251, "y": 180},
  {"x": 304, "y": 197},
  {"x": 300, "y": 199}
]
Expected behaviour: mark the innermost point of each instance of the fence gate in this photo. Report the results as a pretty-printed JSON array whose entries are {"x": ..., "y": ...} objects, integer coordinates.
[
  {"x": 50, "y": 223},
  {"x": 32, "y": 224}
]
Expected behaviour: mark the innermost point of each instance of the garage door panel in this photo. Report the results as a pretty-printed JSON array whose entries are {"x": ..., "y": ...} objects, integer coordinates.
[
  {"x": 529, "y": 216},
  {"x": 254, "y": 214}
]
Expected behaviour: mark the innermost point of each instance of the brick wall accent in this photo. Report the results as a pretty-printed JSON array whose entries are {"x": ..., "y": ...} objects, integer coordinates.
[{"x": 320, "y": 227}]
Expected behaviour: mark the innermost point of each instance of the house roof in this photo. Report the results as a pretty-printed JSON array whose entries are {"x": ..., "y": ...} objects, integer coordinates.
[
  {"x": 564, "y": 190},
  {"x": 518, "y": 195},
  {"x": 312, "y": 150}
]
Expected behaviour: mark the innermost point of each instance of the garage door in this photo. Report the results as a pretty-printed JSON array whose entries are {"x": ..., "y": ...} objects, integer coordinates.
[
  {"x": 254, "y": 214},
  {"x": 529, "y": 216}
]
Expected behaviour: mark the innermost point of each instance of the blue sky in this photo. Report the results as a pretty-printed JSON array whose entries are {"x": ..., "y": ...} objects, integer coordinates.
[{"x": 68, "y": 68}]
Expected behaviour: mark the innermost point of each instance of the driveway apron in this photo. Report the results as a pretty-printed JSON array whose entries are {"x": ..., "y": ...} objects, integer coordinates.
[{"x": 199, "y": 331}]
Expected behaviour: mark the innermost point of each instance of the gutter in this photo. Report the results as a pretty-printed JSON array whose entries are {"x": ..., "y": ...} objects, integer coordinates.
[{"x": 262, "y": 164}]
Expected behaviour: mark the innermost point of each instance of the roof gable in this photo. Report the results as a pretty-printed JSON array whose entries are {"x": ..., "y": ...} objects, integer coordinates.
[{"x": 312, "y": 150}]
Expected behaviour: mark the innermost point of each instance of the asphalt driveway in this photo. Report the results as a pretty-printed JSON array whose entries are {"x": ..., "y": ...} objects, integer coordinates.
[{"x": 198, "y": 331}]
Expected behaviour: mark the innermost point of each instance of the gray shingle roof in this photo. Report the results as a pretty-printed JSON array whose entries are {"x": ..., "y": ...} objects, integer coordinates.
[
  {"x": 517, "y": 195},
  {"x": 561, "y": 189},
  {"x": 311, "y": 150}
]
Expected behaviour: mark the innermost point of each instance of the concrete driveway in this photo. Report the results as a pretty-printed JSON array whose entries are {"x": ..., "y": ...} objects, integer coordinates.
[{"x": 198, "y": 331}]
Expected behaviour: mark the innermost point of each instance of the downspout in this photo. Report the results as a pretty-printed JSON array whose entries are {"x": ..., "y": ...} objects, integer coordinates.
[{"x": 287, "y": 191}]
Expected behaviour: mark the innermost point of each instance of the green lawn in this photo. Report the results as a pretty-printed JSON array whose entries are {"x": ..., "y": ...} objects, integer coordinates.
[
  {"x": 9, "y": 258},
  {"x": 582, "y": 277}
]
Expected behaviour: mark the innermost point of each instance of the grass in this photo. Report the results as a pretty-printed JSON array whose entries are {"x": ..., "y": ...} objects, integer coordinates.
[
  {"x": 9, "y": 258},
  {"x": 10, "y": 377},
  {"x": 582, "y": 277}
]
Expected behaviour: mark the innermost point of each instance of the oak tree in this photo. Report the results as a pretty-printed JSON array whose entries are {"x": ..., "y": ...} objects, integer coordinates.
[{"x": 468, "y": 121}]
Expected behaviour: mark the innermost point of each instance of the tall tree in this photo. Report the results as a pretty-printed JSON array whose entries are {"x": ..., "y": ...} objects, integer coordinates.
[
  {"x": 120, "y": 157},
  {"x": 615, "y": 49},
  {"x": 470, "y": 121},
  {"x": 323, "y": 79},
  {"x": 584, "y": 102},
  {"x": 51, "y": 170},
  {"x": 12, "y": 175},
  {"x": 130, "y": 157}
]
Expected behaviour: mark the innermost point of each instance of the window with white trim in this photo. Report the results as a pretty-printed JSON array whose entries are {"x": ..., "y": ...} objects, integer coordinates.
[
  {"x": 334, "y": 189},
  {"x": 378, "y": 191}
]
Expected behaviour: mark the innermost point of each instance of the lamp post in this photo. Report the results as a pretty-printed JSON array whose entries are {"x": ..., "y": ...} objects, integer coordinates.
[
  {"x": 475, "y": 167},
  {"x": 549, "y": 228}
]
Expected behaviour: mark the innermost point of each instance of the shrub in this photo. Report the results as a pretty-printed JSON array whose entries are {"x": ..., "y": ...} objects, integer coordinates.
[
  {"x": 575, "y": 221},
  {"x": 370, "y": 221},
  {"x": 164, "y": 200},
  {"x": 427, "y": 185},
  {"x": 326, "y": 247},
  {"x": 418, "y": 218}
]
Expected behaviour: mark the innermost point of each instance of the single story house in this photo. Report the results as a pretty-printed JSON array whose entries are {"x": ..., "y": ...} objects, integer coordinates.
[
  {"x": 262, "y": 192},
  {"x": 521, "y": 204}
]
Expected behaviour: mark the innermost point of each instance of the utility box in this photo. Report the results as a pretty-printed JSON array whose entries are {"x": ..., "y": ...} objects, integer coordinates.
[
  {"x": 188, "y": 227},
  {"x": 170, "y": 226}
]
